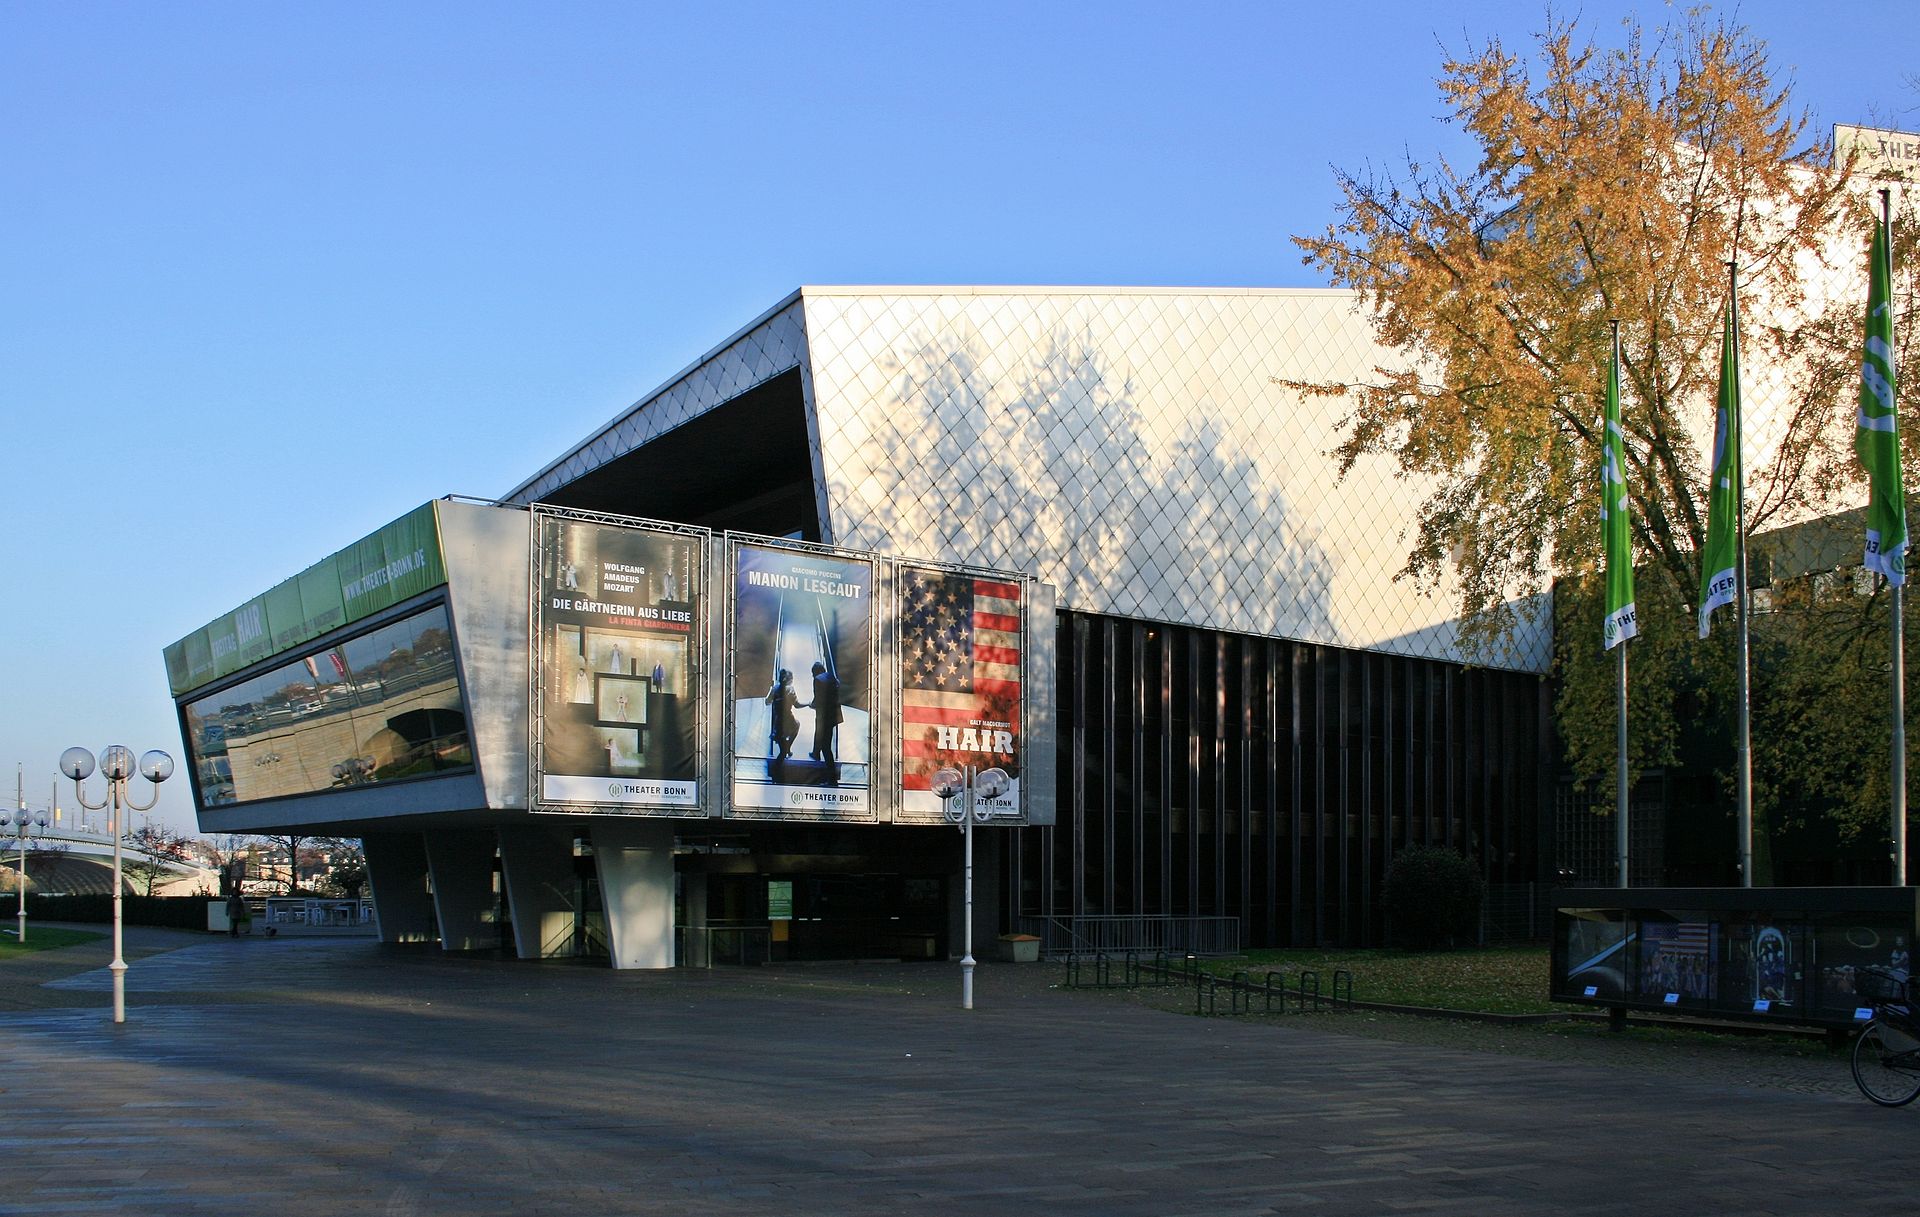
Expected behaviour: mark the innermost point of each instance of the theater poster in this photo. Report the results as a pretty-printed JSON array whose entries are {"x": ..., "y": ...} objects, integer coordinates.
[
  {"x": 960, "y": 638},
  {"x": 802, "y": 685},
  {"x": 618, "y": 625}
]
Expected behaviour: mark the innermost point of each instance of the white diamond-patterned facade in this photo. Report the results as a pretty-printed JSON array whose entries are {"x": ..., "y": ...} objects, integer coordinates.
[{"x": 1139, "y": 449}]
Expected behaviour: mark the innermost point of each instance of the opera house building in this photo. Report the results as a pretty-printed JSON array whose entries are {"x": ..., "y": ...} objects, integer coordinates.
[{"x": 681, "y": 694}]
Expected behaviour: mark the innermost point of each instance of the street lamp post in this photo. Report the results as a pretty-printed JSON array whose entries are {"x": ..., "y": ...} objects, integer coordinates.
[
  {"x": 24, "y": 822},
  {"x": 117, "y": 766},
  {"x": 985, "y": 785}
]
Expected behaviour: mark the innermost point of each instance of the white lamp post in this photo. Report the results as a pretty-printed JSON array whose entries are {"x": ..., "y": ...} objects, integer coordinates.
[
  {"x": 979, "y": 787},
  {"x": 24, "y": 822},
  {"x": 116, "y": 765}
]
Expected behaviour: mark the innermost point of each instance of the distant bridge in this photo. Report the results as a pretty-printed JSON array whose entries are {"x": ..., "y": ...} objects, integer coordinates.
[{"x": 78, "y": 861}]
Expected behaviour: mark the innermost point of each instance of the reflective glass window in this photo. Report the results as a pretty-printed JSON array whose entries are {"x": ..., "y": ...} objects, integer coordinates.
[{"x": 380, "y": 707}]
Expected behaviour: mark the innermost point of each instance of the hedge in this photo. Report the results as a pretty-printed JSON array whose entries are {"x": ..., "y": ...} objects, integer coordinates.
[{"x": 175, "y": 912}]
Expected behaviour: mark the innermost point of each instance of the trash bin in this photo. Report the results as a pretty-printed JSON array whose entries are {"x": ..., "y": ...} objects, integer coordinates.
[{"x": 1019, "y": 948}]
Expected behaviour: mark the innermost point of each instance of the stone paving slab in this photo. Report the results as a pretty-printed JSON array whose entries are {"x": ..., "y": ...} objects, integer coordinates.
[{"x": 346, "y": 1078}]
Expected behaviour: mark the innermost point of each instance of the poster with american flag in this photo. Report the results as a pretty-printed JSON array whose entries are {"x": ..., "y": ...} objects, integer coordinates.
[{"x": 960, "y": 681}]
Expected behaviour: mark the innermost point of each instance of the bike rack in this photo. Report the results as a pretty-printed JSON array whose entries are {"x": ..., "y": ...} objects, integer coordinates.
[{"x": 1097, "y": 972}]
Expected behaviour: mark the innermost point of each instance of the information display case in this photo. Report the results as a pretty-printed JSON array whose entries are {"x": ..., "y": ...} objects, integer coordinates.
[{"x": 1787, "y": 955}]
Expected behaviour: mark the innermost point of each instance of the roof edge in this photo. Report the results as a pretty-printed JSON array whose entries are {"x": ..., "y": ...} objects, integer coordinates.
[
  {"x": 1081, "y": 289},
  {"x": 787, "y": 301},
  {"x": 800, "y": 293}
]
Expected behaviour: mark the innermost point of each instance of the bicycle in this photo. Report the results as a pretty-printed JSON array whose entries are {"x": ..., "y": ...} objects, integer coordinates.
[{"x": 1886, "y": 1057}]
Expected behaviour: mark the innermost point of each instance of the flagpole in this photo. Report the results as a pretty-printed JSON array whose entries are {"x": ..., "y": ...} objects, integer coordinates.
[
  {"x": 1742, "y": 747},
  {"x": 1620, "y": 781},
  {"x": 1899, "y": 777},
  {"x": 1620, "y": 712},
  {"x": 1899, "y": 746}
]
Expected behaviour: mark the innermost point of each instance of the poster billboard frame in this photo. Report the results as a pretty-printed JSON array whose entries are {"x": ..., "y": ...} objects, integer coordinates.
[
  {"x": 728, "y": 571},
  {"x": 897, "y": 583},
  {"x": 700, "y": 687}
]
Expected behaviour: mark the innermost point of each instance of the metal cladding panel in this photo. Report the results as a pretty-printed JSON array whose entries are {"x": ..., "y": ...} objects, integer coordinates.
[
  {"x": 1042, "y": 708},
  {"x": 771, "y": 345},
  {"x": 1137, "y": 448},
  {"x": 488, "y": 571},
  {"x": 350, "y": 811}
]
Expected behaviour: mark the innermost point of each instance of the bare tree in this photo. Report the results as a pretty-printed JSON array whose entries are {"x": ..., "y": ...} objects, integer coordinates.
[
  {"x": 161, "y": 854},
  {"x": 289, "y": 844}
]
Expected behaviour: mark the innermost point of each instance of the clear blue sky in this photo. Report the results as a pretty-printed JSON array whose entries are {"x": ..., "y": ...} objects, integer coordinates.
[{"x": 274, "y": 274}]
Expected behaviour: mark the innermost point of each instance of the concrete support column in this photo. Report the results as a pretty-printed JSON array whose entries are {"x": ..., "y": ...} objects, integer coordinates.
[
  {"x": 397, "y": 877},
  {"x": 634, "y": 857},
  {"x": 536, "y": 865},
  {"x": 461, "y": 863}
]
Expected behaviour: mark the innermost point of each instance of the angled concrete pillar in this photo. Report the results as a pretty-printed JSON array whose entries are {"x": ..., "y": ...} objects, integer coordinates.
[
  {"x": 461, "y": 863},
  {"x": 397, "y": 877},
  {"x": 634, "y": 858},
  {"x": 536, "y": 865}
]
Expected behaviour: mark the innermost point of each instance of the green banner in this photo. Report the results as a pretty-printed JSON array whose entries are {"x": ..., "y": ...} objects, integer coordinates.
[
  {"x": 1622, "y": 621},
  {"x": 376, "y": 572},
  {"x": 1719, "y": 565},
  {"x": 1877, "y": 439}
]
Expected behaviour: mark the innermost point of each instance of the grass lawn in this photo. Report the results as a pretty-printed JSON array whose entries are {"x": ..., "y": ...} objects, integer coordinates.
[
  {"x": 1497, "y": 980},
  {"x": 41, "y": 938}
]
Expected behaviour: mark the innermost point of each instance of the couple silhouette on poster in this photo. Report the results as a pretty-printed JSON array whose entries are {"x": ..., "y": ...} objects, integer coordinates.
[{"x": 784, "y": 725}]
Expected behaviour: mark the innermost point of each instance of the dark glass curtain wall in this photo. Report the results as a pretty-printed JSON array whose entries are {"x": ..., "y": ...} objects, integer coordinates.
[{"x": 1210, "y": 774}]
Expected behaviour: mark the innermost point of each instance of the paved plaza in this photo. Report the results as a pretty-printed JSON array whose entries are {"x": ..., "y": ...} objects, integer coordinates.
[{"x": 288, "y": 1077}]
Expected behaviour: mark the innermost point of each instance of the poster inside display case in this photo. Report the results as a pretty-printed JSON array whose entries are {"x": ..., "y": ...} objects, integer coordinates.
[
  {"x": 1844, "y": 949},
  {"x": 1593, "y": 942},
  {"x": 1766, "y": 963},
  {"x": 1677, "y": 962}
]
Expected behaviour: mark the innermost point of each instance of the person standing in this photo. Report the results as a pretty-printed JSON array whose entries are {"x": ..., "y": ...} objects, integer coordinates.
[
  {"x": 826, "y": 712},
  {"x": 782, "y": 724}
]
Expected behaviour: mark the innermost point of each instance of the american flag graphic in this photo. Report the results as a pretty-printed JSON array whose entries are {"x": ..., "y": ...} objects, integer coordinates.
[{"x": 960, "y": 667}]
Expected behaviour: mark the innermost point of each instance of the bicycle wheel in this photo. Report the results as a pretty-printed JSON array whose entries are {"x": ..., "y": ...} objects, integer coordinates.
[{"x": 1886, "y": 1065}]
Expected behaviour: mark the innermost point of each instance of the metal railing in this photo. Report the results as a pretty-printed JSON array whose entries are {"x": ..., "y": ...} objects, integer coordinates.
[
  {"x": 314, "y": 912},
  {"x": 1144, "y": 935},
  {"x": 703, "y": 946},
  {"x": 1516, "y": 913},
  {"x": 1241, "y": 988}
]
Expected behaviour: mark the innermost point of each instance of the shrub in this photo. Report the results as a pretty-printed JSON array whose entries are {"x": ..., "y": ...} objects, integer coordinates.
[{"x": 1432, "y": 898}]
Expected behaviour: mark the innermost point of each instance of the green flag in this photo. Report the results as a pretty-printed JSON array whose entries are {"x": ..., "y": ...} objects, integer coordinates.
[
  {"x": 1877, "y": 441},
  {"x": 1621, "y": 623},
  {"x": 1718, "y": 577}
]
